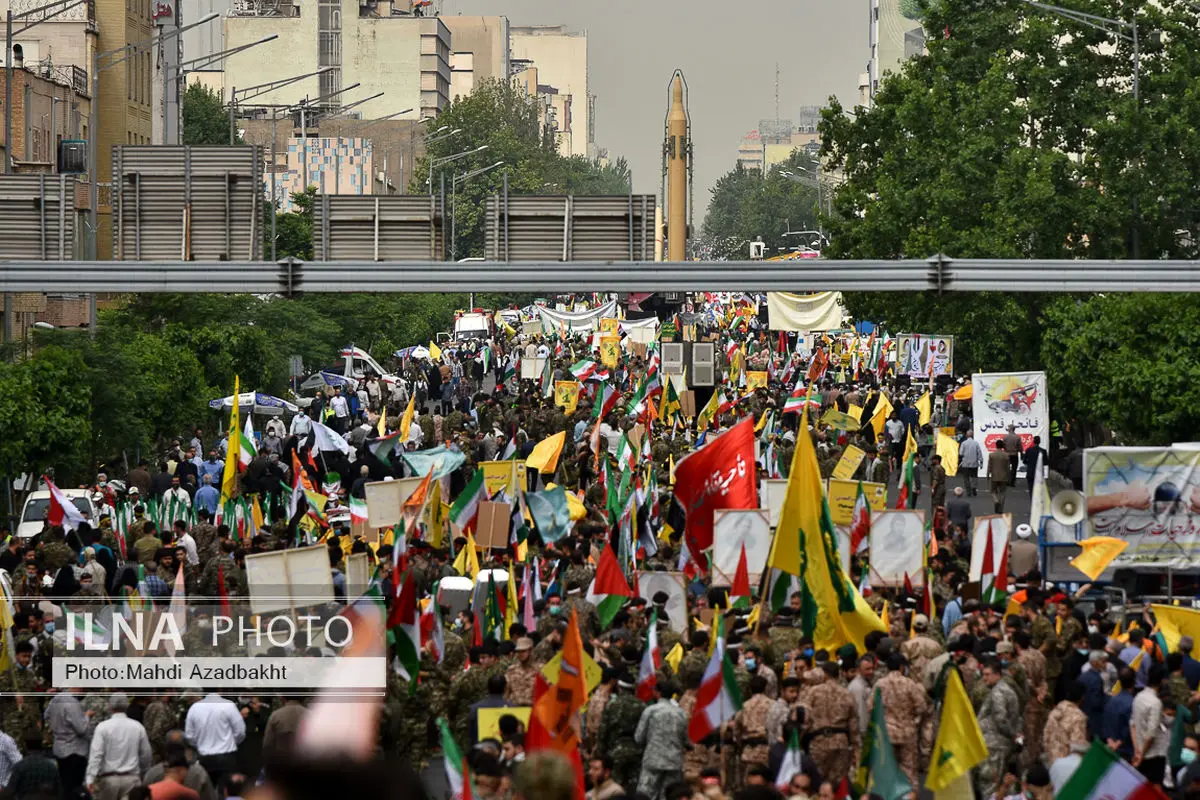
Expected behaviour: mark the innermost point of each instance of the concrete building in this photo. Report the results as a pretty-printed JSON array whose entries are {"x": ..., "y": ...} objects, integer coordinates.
[
  {"x": 561, "y": 59},
  {"x": 50, "y": 105},
  {"x": 775, "y": 139},
  {"x": 406, "y": 57},
  {"x": 893, "y": 38},
  {"x": 333, "y": 165},
  {"x": 479, "y": 50}
]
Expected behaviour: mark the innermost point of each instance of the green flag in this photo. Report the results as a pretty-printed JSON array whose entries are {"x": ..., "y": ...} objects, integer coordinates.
[{"x": 878, "y": 770}]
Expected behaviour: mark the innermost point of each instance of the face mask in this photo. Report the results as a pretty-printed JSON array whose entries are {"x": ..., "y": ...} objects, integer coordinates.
[
  {"x": 555, "y": 610},
  {"x": 1083, "y": 651},
  {"x": 49, "y": 627},
  {"x": 1093, "y": 628},
  {"x": 1004, "y": 662},
  {"x": 458, "y": 624},
  {"x": 751, "y": 664},
  {"x": 807, "y": 652},
  {"x": 1187, "y": 756}
]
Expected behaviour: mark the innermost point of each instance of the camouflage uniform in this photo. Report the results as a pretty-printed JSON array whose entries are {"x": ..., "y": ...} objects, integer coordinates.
[
  {"x": 906, "y": 713},
  {"x": 831, "y": 729},
  {"x": 577, "y": 576},
  {"x": 234, "y": 584},
  {"x": 157, "y": 719},
  {"x": 466, "y": 689},
  {"x": 1045, "y": 639},
  {"x": 405, "y": 719},
  {"x": 1066, "y": 638},
  {"x": 1034, "y": 665},
  {"x": 593, "y": 713},
  {"x": 784, "y": 641},
  {"x": 98, "y": 705},
  {"x": 206, "y": 542},
  {"x": 57, "y": 555},
  {"x": 1175, "y": 691},
  {"x": 662, "y": 731},
  {"x": 693, "y": 664},
  {"x": 519, "y": 679},
  {"x": 1000, "y": 722},
  {"x": 589, "y": 619},
  {"x": 919, "y": 651},
  {"x": 21, "y": 713},
  {"x": 1066, "y": 725},
  {"x": 616, "y": 738},
  {"x": 772, "y": 690},
  {"x": 750, "y": 732},
  {"x": 145, "y": 549}
]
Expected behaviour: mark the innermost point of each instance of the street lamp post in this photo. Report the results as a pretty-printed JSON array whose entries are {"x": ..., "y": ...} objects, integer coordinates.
[
  {"x": 463, "y": 178},
  {"x": 1125, "y": 31},
  {"x": 441, "y": 162},
  {"x": 172, "y": 131},
  {"x": 58, "y": 7},
  {"x": 251, "y": 92}
]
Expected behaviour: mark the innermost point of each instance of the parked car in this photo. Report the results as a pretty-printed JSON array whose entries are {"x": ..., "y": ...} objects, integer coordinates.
[{"x": 37, "y": 505}]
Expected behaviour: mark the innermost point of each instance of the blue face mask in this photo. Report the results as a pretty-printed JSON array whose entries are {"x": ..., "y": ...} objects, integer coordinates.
[
  {"x": 751, "y": 664},
  {"x": 49, "y": 627},
  {"x": 1083, "y": 651},
  {"x": 807, "y": 652},
  {"x": 1187, "y": 756}
]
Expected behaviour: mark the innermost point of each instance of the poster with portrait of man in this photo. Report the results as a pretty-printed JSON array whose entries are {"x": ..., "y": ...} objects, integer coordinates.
[{"x": 897, "y": 547}]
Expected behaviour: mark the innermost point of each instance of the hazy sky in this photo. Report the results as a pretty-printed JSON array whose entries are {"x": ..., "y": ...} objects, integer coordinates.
[{"x": 727, "y": 52}]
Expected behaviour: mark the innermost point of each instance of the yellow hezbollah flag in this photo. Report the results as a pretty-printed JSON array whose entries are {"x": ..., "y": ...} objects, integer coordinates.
[
  {"x": 382, "y": 426},
  {"x": 833, "y": 612},
  {"x": 959, "y": 745},
  {"x": 1098, "y": 553},
  {"x": 709, "y": 412},
  {"x": 435, "y": 352},
  {"x": 883, "y": 410},
  {"x": 910, "y": 446},
  {"x": 467, "y": 562},
  {"x": 947, "y": 448},
  {"x": 544, "y": 457},
  {"x": 924, "y": 408},
  {"x": 407, "y": 420},
  {"x": 233, "y": 450},
  {"x": 675, "y": 657},
  {"x": 510, "y": 607},
  {"x": 1175, "y": 622},
  {"x": 839, "y": 420},
  {"x": 856, "y": 412}
]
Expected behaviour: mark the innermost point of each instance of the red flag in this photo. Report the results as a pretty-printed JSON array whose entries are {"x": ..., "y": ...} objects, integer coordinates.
[
  {"x": 908, "y": 587},
  {"x": 225, "y": 612},
  {"x": 718, "y": 476},
  {"x": 741, "y": 577}
]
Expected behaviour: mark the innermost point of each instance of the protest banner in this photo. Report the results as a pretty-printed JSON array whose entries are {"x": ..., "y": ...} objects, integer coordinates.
[
  {"x": 507, "y": 475},
  {"x": 610, "y": 351},
  {"x": 286, "y": 579},
  {"x": 1001, "y": 399},
  {"x": 1148, "y": 497},
  {"x": 385, "y": 500},
  {"x": 358, "y": 574},
  {"x": 919, "y": 355},
  {"x": 843, "y": 494},
  {"x": 733, "y": 529},
  {"x": 897, "y": 547},
  {"x": 566, "y": 395}
]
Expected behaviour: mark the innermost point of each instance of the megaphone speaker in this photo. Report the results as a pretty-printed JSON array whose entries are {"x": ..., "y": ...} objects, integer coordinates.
[{"x": 1068, "y": 507}]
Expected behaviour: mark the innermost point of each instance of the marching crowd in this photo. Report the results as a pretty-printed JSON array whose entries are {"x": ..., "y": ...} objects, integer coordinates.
[{"x": 1047, "y": 671}]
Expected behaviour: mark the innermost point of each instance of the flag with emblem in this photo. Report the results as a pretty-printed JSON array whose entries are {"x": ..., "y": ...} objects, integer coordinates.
[
  {"x": 718, "y": 699},
  {"x": 959, "y": 745}
]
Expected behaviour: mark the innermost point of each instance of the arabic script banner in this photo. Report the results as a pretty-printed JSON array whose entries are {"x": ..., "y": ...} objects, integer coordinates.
[
  {"x": 1148, "y": 496},
  {"x": 1009, "y": 398},
  {"x": 719, "y": 475}
]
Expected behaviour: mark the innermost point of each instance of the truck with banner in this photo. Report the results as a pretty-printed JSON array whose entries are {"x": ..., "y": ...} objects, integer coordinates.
[{"x": 1003, "y": 399}]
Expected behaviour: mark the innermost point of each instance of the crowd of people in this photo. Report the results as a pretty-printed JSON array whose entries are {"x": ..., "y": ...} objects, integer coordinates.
[{"x": 1047, "y": 670}]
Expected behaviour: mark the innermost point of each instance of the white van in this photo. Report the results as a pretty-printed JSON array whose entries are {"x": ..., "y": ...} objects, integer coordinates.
[{"x": 37, "y": 505}]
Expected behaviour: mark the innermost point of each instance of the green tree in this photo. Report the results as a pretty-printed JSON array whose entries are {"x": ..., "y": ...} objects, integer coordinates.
[
  {"x": 746, "y": 205},
  {"x": 205, "y": 119},
  {"x": 294, "y": 229}
]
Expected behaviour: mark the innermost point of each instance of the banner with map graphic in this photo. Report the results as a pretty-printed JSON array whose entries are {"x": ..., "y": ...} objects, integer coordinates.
[{"x": 1001, "y": 399}]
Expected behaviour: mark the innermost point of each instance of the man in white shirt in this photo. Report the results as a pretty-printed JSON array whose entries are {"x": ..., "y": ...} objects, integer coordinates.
[
  {"x": 301, "y": 424},
  {"x": 119, "y": 754},
  {"x": 184, "y": 539},
  {"x": 341, "y": 410},
  {"x": 176, "y": 494},
  {"x": 215, "y": 728}
]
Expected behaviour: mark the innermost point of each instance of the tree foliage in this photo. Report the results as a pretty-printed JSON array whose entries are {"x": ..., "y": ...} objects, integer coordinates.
[
  {"x": 205, "y": 120},
  {"x": 1017, "y": 136},
  {"x": 503, "y": 117},
  {"x": 746, "y": 205}
]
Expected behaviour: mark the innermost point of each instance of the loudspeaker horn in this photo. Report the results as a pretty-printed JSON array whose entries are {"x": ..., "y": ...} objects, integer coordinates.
[{"x": 1068, "y": 507}]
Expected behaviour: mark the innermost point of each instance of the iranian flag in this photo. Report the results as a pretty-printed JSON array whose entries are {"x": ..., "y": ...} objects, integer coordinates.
[
  {"x": 626, "y": 455},
  {"x": 582, "y": 370},
  {"x": 248, "y": 450},
  {"x": 405, "y": 623},
  {"x": 431, "y": 627},
  {"x": 1102, "y": 775},
  {"x": 908, "y": 493},
  {"x": 85, "y": 630},
  {"x": 606, "y": 401},
  {"x": 790, "y": 767},
  {"x": 458, "y": 775},
  {"x": 795, "y": 403},
  {"x": 739, "y": 593},
  {"x": 62, "y": 511},
  {"x": 718, "y": 699},
  {"x": 466, "y": 508},
  {"x": 609, "y": 588},
  {"x": 651, "y": 661},
  {"x": 358, "y": 510},
  {"x": 860, "y": 522}
]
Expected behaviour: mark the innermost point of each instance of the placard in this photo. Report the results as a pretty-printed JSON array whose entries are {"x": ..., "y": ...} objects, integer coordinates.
[
  {"x": 532, "y": 368},
  {"x": 385, "y": 500},
  {"x": 286, "y": 579},
  {"x": 635, "y": 435},
  {"x": 489, "y": 719},
  {"x": 733, "y": 529},
  {"x": 1000, "y": 526},
  {"x": 507, "y": 475},
  {"x": 1009, "y": 398},
  {"x": 773, "y": 492},
  {"x": 610, "y": 351},
  {"x": 454, "y": 592},
  {"x": 843, "y": 495},
  {"x": 687, "y": 404},
  {"x": 897, "y": 547},
  {"x": 848, "y": 464},
  {"x": 566, "y": 395},
  {"x": 637, "y": 348},
  {"x": 491, "y": 530},
  {"x": 673, "y": 583},
  {"x": 358, "y": 575},
  {"x": 610, "y": 326}
]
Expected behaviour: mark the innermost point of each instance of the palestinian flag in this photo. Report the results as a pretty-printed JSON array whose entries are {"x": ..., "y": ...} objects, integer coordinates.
[
  {"x": 510, "y": 369},
  {"x": 458, "y": 775},
  {"x": 606, "y": 401},
  {"x": 651, "y": 662},
  {"x": 1102, "y": 775},
  {"x": 860, "y": 523},
  {"x": 609, "y": 588},
  {"x": 582, "y": 370},
  {"x": 739, "y": 593},
  {"x": 908, "y": 492},
  {"x": 358, "y": 510},
  {"x": 404, "y": 622},
  {"x": 384, "y": 447},
  {"x": 466, "y": 508},
  {"x": 994, "y": 573},
  {"x": 248, "y": 450},
  {"x": 718, "y": 699}
]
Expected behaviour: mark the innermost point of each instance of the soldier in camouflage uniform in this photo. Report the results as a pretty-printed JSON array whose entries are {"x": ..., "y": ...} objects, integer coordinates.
[
  {"x": 470, "y": 687},
  {"x": 616, "y": 734},
  {"x": 1175, "y": 691},
  {"x": 22, "y": 711},
  {"x": 521, "y": 675},
  {"x": 205, "y": 534},
  {"x": 921, "y": 649},
  {"x": 234, "y": 583},
  {"x": 97, "y": 704},
  {"x": 594, "y": 711},
  {"x": 695, "y": 660},
  {"x": 56, "y": 554},
  {"x": 1045, "y": 639},
  {"x": 906, "y": 713},
  {"x": 831, "y": 726},
  {"x": 158, "y": 718},
  {"x": 1001, "y": 724},
  {"x": 1067, "y": 628}
]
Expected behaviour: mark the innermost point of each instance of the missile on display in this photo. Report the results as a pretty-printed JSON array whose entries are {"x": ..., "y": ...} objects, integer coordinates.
[{"x": 677, "y": 158}]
